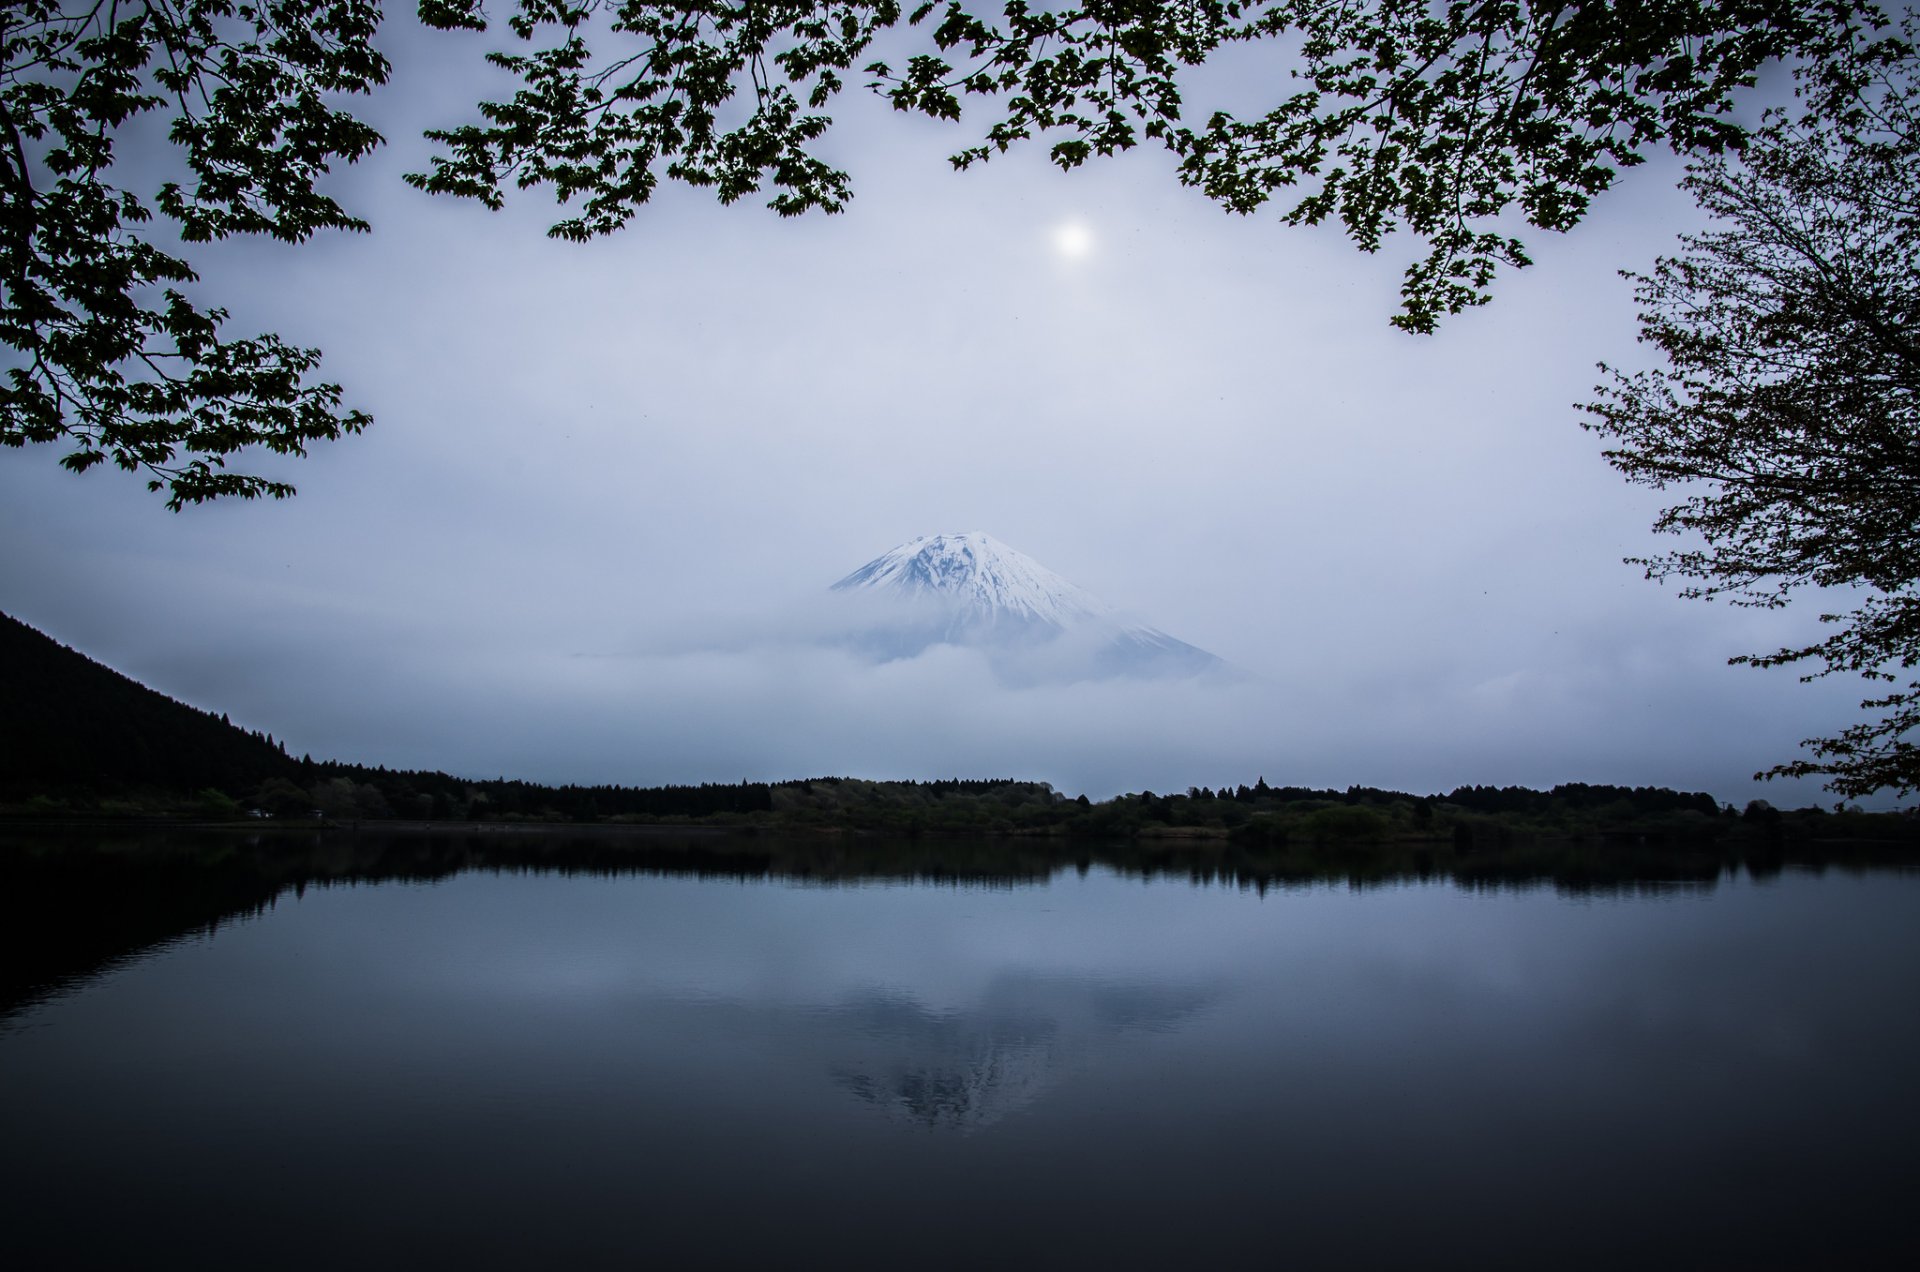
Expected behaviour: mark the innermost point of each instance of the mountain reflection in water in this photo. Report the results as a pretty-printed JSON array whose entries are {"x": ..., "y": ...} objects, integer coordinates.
[
  {"x": 967, "y": 1069},
  {"x": 534, "y": 1050}
]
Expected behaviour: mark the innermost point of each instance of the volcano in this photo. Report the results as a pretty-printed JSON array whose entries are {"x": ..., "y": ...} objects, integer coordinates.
[{"x": 973, "y": 591}]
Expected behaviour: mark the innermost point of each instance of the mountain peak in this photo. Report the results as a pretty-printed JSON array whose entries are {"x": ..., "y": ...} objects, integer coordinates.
[
  {"x": 972, "y": 589},
  {"x": 978, "y": 573}
]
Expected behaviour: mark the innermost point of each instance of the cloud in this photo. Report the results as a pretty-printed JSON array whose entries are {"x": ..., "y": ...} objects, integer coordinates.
[{"x": 768, "y": 706}]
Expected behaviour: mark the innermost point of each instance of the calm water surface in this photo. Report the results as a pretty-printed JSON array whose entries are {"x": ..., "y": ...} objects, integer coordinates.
[{"x": 1088, "y": 1070}]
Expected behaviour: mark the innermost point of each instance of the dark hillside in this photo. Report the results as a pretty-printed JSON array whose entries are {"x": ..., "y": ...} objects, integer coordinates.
[
  {"x": 78, "y": 737},
  {"x": 68, "y": 723}
]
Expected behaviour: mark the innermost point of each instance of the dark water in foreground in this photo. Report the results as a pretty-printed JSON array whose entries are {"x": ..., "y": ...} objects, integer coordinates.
[{"x": 529, "y": 1068}]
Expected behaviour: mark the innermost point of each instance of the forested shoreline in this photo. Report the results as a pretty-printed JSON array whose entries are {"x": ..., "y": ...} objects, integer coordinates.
[{"x": 80, "y": 742}]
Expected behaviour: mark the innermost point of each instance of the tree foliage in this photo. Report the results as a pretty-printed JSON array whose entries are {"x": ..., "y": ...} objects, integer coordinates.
[
  {"x": 1448, "y": 120},
  {"x": 1788, "y": 408},
  {"x": 1440, "y": 119},
  {"x": 110, "y": 356}
]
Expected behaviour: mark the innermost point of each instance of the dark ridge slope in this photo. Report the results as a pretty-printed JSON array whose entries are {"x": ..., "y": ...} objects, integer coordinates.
[{"x": 68, "y": 722}]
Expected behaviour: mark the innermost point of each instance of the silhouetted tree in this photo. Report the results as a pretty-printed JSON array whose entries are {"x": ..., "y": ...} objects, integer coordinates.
[
  {"x": 1788, "y": 411},
  {"x": 113, "y": 359}
]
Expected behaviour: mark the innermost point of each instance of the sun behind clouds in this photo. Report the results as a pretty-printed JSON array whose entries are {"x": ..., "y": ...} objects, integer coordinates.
[{"x": 1072, "y": 240}]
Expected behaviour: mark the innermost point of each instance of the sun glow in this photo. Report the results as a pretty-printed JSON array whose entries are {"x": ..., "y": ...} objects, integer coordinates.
[{"x": 1072, "y": 240}]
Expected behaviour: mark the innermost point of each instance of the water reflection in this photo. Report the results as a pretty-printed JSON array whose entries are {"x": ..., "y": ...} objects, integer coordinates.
[
  {"x": 965, "y": 1070},
  {"x": 76, "y": 904},
  {"x": 417, "y": 1053}
]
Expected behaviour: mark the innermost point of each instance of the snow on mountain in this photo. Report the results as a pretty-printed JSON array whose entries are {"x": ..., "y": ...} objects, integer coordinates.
[
  {"x": 981, "y": 574},
  {"x": 971, "y": 589}
]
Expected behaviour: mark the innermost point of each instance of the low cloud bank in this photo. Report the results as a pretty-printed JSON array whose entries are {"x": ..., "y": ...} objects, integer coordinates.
[{"x": 758, "y": 705}]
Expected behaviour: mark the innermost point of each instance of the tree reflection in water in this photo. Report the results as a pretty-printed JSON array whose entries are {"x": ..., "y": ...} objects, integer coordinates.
[{"x": 76, "y": 903}]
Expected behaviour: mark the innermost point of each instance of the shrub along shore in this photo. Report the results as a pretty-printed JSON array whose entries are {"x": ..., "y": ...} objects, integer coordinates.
[{"x": 1256, "y": 817}]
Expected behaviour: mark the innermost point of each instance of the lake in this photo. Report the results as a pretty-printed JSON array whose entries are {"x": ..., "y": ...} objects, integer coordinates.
[{"x": 257, "y": 1057}]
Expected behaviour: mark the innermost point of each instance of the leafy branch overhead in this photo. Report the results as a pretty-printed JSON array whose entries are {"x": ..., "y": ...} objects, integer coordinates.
[
  {"x": 109, "y": 355},
  {"x": 1441, "y": 120}
]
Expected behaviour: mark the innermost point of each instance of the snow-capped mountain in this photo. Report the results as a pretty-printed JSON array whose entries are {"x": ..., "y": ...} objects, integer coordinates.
[
  {"x": 983, "y": 578},
  {"x": 972, "y": 590}
]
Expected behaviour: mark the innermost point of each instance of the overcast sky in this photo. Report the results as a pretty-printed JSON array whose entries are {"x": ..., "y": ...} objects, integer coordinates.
[{"x": 584, "y": 453}]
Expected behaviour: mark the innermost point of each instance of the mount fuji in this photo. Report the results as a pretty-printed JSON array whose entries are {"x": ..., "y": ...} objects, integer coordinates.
[{"x": 973, "y": 591}]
